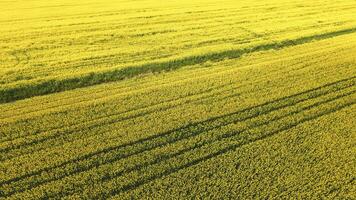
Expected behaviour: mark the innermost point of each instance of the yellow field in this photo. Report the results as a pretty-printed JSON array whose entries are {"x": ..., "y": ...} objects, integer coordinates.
[{"x": 196, "y": 99}]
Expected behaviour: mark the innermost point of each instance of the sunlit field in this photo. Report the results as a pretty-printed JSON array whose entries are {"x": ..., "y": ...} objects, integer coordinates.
[{"x": 181, "y": 99}]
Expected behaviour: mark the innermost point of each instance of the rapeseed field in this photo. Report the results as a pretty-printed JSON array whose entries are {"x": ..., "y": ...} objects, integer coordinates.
[{"x": 188, "y": 99}]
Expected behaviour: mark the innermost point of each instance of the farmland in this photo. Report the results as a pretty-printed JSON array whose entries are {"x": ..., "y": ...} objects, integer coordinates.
[{"x": 154, "y": 99}]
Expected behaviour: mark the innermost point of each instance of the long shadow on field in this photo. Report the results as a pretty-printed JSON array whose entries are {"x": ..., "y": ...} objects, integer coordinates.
[
  {"x": 52, "y": 86},
  {"x": 115, "y": 153},
  {"x": 227, "y": 149}
]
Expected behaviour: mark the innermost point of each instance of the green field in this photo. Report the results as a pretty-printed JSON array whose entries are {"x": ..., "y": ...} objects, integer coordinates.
[{"x": 188, "y": 99}]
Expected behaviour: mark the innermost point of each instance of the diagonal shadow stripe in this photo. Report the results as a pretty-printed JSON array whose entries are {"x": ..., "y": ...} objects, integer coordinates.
[
  {"x": 230, "y": 148},
  {"x": 56, "y": 85}
]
